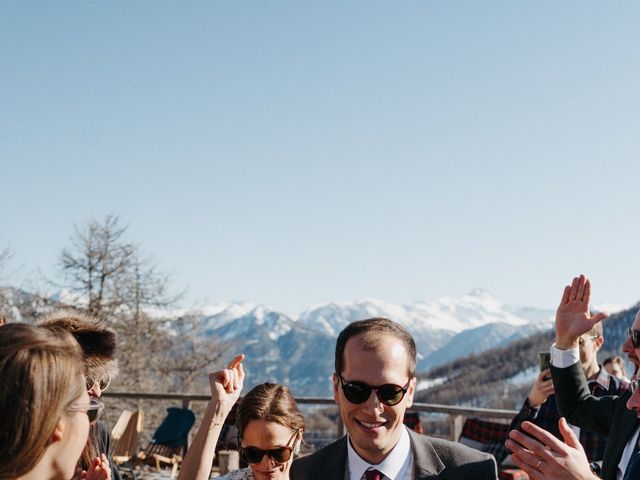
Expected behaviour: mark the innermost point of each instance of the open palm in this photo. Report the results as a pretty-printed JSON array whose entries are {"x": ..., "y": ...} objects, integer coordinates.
[{"x": 573, "y": 317}]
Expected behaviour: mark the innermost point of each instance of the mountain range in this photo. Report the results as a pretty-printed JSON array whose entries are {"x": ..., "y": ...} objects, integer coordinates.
[{"x": 299, "y": 351}]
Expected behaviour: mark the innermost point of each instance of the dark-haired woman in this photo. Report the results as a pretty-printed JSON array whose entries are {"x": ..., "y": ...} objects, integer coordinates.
[{"x": 268, "y": 420}]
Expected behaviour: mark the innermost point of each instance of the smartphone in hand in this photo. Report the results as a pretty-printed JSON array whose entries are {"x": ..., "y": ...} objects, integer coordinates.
[{"x": 545, "y": 361}]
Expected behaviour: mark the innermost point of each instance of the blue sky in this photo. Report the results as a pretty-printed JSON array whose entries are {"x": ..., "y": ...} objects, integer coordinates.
[{"x": 293, "y": 153}]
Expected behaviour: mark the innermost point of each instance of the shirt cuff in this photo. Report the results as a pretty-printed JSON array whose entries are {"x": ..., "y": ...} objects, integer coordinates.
[{"x": 564, "y": 358}]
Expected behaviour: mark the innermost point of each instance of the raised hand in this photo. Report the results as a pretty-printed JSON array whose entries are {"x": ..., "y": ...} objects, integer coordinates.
[
  {"x": 573, "y": 318},
  {"x": 98, "y": 470},
  {"x": 541, "y": 389},
  {"x": 226, "y": 384},
  {"x": 543, "y": 456}
]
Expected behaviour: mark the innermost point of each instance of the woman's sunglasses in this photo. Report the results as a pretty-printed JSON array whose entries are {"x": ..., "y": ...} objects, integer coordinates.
[
  {"x": 255, "y": 454},
  {"x": 634, "y": 335},
  {"x": 102, "y": 382},
  {"x": 358, "y": 392},
  {"x": 277, "y": 455},
  {"x": 92, "y": 410}
]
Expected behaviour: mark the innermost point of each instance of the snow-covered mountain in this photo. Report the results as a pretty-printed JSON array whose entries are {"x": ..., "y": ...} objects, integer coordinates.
[
  {"x": 279, "y": 350},
  {"x": 447, "y": 313},
  {"x": 299, "y": 351}
]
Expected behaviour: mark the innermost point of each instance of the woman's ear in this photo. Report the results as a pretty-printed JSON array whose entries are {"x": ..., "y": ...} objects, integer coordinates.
[{"x": 58, "y": 432}]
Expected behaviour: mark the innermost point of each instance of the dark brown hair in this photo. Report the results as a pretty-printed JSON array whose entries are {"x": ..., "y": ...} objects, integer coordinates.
[
  {"x": 271, "y": 402},
  {"x": 371, "y": 329}
]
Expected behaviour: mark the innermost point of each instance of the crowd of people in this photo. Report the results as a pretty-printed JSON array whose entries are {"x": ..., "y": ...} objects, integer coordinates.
[{"x": 54, "y": 374}]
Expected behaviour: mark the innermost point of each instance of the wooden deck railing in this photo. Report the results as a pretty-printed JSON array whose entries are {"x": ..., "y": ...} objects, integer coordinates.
[{"x": 456, "y": 414}]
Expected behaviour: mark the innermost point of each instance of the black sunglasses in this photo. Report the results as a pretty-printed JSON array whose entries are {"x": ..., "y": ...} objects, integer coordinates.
[
  {"x": 92, "y": 410},
  {"x": 358, "y": 392},
  {"x": 255, "y": 454},
  {"x": 633, "y": 386},
  {"x": 278, "y": 455}
]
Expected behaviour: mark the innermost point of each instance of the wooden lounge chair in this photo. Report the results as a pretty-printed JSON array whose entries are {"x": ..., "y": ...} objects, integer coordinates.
[
  {"x": 125, "y": 436},
  {"x": 169, "y": 440}
]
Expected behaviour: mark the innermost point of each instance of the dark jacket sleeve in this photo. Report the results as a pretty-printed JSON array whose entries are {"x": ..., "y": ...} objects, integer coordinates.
[
  {"x": 546, "y": 416},
  {"x": 104, "y": 447},
  {"x": 578, "y": 405}
]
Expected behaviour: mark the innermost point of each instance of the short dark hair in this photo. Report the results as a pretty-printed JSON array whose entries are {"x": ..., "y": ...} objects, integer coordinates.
[
  {"x": 271, "y": 402},
  {"x": 97, "y": 340},
  {"x": 371, "y": 328}
]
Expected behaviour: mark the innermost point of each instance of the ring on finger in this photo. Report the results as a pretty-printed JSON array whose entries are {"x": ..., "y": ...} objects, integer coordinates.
[{"x": 538, "y": 464}]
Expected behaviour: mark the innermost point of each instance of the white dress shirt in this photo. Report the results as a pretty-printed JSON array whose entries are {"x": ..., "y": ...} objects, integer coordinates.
[
  {"x": 398, "y": 465},
  {"x": 566, "y": 358}
]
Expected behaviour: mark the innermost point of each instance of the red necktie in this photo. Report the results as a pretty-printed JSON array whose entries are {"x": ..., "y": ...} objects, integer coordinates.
[{"x": 372, "y": 475}]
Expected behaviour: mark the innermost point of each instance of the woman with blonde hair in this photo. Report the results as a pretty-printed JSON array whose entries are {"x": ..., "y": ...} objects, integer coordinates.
[
  {"x": 45, "y": 408},
  {"x": 269, "y": 423}
]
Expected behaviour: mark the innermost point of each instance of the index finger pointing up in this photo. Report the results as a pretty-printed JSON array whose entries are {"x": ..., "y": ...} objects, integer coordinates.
[{"x": 236, "y": 361}]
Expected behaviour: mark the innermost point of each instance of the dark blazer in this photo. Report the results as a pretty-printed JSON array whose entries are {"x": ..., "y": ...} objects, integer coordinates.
[
  {"x": 433, "y": 458},
  {"x": 607, "y": 415}
]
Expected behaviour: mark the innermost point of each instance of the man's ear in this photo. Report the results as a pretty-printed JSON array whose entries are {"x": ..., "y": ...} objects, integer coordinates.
[
  {"x": 599, "y": 341},
  {"x": 297, "y": 442},
  {"x": 411, "y": 390},
  {"x": 336, "y": 381}
]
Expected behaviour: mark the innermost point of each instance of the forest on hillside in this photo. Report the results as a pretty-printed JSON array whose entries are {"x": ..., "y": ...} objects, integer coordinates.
[{"x": 482, "y": 380}]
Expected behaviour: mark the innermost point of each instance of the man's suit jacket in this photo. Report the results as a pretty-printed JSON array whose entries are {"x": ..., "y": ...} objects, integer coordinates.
[
  {"x": 432, "y": 459},
  {"x": 607, "y": 415}
]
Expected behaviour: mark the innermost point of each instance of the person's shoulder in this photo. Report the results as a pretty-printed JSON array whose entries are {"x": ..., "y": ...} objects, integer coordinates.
[
  {"x": 457, "y": 458},
  {"x": 456, "y": 452}
]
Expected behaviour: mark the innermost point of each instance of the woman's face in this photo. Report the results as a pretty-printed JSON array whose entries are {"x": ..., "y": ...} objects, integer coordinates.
[
  {"x": 267, "y": 435},
  {"x": 74, "y": 427}
]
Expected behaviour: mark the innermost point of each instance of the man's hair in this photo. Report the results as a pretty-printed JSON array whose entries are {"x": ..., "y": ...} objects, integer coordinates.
[
  {"x": 97, "y": 340},
  {"x": 371, "y": 329},
  {"x": 617, "y": 360},
  {"x": 41, "y": 371},
  {"x": 596, "y": 331},
  {"x": 271, "y": 402}
]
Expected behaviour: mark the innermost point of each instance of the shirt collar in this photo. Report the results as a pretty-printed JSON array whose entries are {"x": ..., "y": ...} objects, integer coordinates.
[
  {"x": 394, "y": 464},
  {"x": 603, "y": 378}
]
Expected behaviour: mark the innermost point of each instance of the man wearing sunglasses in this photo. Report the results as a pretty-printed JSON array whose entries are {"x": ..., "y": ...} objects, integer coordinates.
[
  {"x": 98, "y": 343},
  {"x": 373, "y": 385},
  {"x": 613, "y": 416}
]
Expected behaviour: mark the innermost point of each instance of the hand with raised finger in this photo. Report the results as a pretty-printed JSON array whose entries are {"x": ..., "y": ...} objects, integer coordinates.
[
  {"x": 99, "y": 469},
  {"x": 573, "y": 318},
  {"x": 226, "y": 384},
  {"x": 541, "y": 389},
  {"x": 543, "y": 456}
]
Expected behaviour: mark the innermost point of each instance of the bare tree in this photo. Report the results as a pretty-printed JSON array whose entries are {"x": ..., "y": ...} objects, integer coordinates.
[
  {"x": 116, "y": 283},
  {"x": 97, "y": 264}
]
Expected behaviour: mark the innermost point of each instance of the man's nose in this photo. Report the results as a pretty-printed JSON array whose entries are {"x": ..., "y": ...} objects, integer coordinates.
[
  {"x": 373, "y": 402},
  {"x": 95, "y": 392},
  {"x": 634, "y": 401}
]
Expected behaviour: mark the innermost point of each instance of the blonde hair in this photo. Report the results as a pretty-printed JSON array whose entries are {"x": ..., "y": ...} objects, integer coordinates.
[
  {"x": 41, "y": 371},
  {"x": 98, "y": 343}
]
